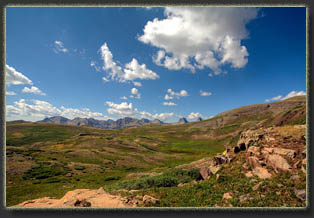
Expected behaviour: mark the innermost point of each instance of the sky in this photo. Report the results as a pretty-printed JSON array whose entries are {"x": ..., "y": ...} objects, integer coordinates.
[{"x": 151, "y": 62}]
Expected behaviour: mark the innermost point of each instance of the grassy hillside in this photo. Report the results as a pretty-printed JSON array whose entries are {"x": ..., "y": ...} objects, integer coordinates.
[{"x": 45, "y": 159}]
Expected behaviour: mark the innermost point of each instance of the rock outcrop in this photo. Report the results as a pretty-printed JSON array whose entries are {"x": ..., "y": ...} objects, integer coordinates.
[{"x": 80, "y": 198}]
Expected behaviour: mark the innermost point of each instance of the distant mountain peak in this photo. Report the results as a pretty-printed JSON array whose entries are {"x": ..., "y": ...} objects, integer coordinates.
[
  {"x": 156, "y": 121},
  {"x": 199, "y": 119},
  {"x": 183, "y": 120},
  {"x": 104, "y": 124}
]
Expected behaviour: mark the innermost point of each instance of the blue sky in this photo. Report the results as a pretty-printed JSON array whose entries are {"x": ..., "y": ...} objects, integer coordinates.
[{"x": 161, "y": 63}]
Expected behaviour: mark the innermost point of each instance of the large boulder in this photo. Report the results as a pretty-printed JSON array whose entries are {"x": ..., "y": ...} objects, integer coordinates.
[
  {"x": 278, "y": 162},
  {"x": 281, "y": 151}
]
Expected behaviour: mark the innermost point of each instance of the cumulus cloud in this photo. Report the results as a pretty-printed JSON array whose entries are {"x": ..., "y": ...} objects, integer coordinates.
[
  {"x": 199, "y": 37},
  {"x": 10, "y": 93},
  {"x": 161, "y": 116},
  {"x": 173, "y": 94},
  {"x": 202, "y": 93},
  {"x": 33, "y": 90},
  {"x": 135, "y": 93},
  {"x": 131, "y": 71},
  {"x": 293, "y": 94},
  {"x": 169, "y": 103},
  {"x": 193, "y": 116},
  {"x": 134, "y": 70},
  {"x": 139, "y": 84},
  {"x": 290, "y": 95},
  {"x": 15, "y": 78},
  {"x": 123, "y": 98},
  {"x": 59, "y": 47},
  {"x": 35, "y": 110},
  {"x": 124, "y": 109}
]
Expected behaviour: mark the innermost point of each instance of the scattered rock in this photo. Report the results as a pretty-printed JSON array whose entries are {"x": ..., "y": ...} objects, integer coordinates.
[
  {"x": 214, "y": 169},
  {"x": 253, "y": 162},
  {"x": 220, "y": 160},
  {"x": 253, "y": 180},
  {"x": 303, "y": 169},
  {"x": 180, "y": 184},
  {"x": 150, "y": 199},
  {"x": 257, "y": 186},
  {"x": 133, "y": 191},
  {"x": 245, "y": 197},
  {"x": 262, "y": 173},
  {"x": 301, "y": 194},
  {"x": 205, "y": 172},
  {"x": 295, "y": 177},
  {"x": 297, "y": 164},
  {"x": 303, "y": 154},
  {"x": 227, "y": 196},
  {"x": 249, "y": 174}
]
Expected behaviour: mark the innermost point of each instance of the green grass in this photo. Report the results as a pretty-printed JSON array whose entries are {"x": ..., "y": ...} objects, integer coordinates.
[{"x": 106, "y": 157}]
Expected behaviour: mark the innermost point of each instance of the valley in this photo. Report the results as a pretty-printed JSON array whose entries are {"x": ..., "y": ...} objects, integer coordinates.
[{"x": 171, "y": 163}]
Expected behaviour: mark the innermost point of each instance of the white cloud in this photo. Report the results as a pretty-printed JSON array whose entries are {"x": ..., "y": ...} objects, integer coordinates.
[
  {"x": 172, "y": 94},
  {"x": 94, "y": 65},
  {"x": 109, "y": 64},
  {"x": 274, "y": 98},
  {"x": 193, "y": 115},
  {"x": 59, "y": 47},
  {"x": 82, "y": 113},
  {"x": 105, "y": 79},
  {"x": 202, "y": 93},
  {"x": 209, "y": 36},
  {"x": 139, "y": 84},
  {"x": 38, "y": 110},
  {"x": 167, "y": 97},
  {"x": 15, "y": 78},
  {"x": 123, "y": 98},
  {"x": 290, "y": 95},
  {"x": 135, "y": 93},
  {"x": 293, "y": 94},
  {"x": 33, "y": 90},
  {"x": 10, "y": 93},
  {"x": 123, "y": 109},
  {"x": 132, "y": 70},
  {"x": 161, "y": 116},
  {"x": 169, "y": 103}
]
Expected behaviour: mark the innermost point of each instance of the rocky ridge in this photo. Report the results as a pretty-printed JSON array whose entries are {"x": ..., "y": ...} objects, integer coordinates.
[{"x": 103, "y": 124}]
